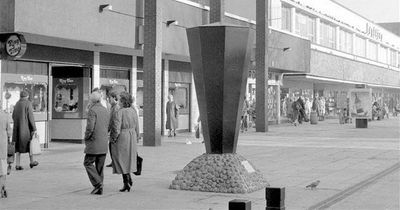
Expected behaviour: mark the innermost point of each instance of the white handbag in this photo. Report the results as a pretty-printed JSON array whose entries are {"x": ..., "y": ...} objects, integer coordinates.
[{"x": 35, "y": 145}]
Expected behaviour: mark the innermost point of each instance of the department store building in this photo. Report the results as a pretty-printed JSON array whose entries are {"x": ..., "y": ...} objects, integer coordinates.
[{"x": 66, "y": 49}]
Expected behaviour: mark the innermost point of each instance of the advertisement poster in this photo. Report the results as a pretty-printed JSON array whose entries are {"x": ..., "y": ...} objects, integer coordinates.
[{"x": 361, "y": 103}]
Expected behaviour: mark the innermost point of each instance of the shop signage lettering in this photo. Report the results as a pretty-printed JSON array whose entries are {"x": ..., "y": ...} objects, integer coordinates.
[
  {"x": 373, "y": 32},
  {"x": 15, "y": 46},
  {"x": 113, "y": 81},
  {"x": 26, "y": 78},
  {"x": 65, "y": 81}
]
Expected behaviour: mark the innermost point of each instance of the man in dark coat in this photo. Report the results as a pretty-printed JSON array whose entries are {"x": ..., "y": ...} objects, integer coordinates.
[
  {"x": 96, "y": 141},
  {"x": 23, "y": 130}
]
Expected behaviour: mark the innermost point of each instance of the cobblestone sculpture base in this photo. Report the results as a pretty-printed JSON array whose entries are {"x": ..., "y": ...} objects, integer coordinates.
[{"x": 224, "y": 173}]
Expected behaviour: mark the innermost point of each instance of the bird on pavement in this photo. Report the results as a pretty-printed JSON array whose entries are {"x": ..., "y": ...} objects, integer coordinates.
[{"x": 313, "y": 185}]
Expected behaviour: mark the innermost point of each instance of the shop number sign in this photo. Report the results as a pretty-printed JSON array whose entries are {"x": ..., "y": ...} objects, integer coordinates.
[{"x": 15, "y": 46}]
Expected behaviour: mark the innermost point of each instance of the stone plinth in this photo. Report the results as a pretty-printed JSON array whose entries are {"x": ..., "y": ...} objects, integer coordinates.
[{"x": 223, "y": 173}]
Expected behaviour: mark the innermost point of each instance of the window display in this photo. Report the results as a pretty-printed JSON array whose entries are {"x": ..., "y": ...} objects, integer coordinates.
[
  {"x": 37, "y": 95},
  {"x": 180, "y": 91},
  {"x": 66, "y": 96}
]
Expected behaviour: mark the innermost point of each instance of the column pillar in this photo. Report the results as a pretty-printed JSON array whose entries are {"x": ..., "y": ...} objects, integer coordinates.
[
  {"x": 133, "y": 78},
  {"x": 96, "y": 70},
  {"x": 217, "y": 11},
  {"x": 262, "y": 31},
  {"x": 152, "y": 82},
  {"x": 293, "y": 20},
  {"x": 165, "y": 94}
]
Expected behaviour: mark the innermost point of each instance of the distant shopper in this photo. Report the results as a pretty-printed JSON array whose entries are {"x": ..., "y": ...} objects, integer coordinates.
[
  {"x": 172, "y": 116},
  {"x": 114, "y": 98},
  {"x": 296, "y": 112},
  {"x": 5, "y": 136},
  {"x": 245, "y": 115},
  {"x": 23, "y": 130},
  {"x": 96, "y": 139},
  {"x": 386, "y": 110},
  {"x": 124, "y": 135},
  {"x": 301, "y": 109}
]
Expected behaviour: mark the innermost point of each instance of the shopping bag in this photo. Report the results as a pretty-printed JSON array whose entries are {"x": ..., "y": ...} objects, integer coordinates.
[
  {"x": 139, "y": 161},
  {"x": 35, "y": 145}
]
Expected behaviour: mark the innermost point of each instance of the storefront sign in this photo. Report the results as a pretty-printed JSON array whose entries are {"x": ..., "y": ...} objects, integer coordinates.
[
  {"x": 26, "y": 78},
  {"x": 65, "y": 81},
  {"x": 113, "y": 82},
  {"x": 373, "y": 32},
  {"x": 15, "y": 46}
]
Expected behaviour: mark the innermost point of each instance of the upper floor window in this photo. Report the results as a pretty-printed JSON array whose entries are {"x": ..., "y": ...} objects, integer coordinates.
[
  {"x": 305, "y": 26},
  {"x": 286, "y": 18},
  {"x": 372, "y": 50},
  {"x": 382, "y": 54},
  {"x": 393, "y": 58},
  {"x": 328, "y": 35},
  {"x": 345, "y": 41},
  {"x": 360, "y": 46}
]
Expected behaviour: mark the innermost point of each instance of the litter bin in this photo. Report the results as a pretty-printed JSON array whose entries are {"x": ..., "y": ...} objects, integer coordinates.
[{"x": 313, "y": 117}]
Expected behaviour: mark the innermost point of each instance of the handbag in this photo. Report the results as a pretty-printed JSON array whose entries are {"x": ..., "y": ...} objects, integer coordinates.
[
  {"x": 11, "y": 148},
  {"x": 139, "y": 161},
  {"x": 35, "y": 145}
]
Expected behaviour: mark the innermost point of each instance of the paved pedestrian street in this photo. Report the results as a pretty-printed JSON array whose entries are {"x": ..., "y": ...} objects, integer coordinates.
[{"x": 357, "y": 169}]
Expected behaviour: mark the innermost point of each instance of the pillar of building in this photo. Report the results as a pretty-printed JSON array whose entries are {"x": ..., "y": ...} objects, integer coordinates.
[
  {"x": 217, "y": 11},
  {"x": 96, "y": 70},
  {"x": 152, "y": 77},
  {"x": 165, "y": 94},
  {"x": 262, "y": 31},
  {"x": 133, "y": 78}
]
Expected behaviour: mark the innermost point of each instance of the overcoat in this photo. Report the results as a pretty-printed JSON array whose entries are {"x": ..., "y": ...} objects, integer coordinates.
[
  {"x": 124, "y": 135},
  {"x": 5, "y": 133},
  {"x": 172, "y": 115},
  {"x": 24, "y": 125},
  {"x": 96, "y": 134}
]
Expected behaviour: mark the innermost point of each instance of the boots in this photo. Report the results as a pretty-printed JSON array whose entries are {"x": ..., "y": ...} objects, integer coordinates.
[
  {"x": 139, "y": 166},
  {"x": 126, "y": 187}
]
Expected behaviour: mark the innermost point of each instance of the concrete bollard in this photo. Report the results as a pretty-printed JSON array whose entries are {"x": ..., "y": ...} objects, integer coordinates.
[
  {"x": 275, "y": 198},
  {"x": 239, "y": 204}
]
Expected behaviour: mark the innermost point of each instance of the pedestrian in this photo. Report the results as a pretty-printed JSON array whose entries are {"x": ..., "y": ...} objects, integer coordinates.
[
  {"x": 5, "y": 136},
  {"x": 23, "y": 130},
  {"x": 301, "y": 109},
  {"x": 307, "y": 106},
  {"x": 113, "y": 114},
  {"x": 245, "y": 115},
  {"x": 386, "y": 110},
  {"x": 289, "y": 110},
  {"x": 296, "y": 112},
  {"x": 172, "y": 116},
  {"x": 96, "y": 139},
  {"x": 124, "y": 135}
]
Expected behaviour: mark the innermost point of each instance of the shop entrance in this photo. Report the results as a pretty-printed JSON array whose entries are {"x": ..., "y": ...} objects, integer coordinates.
[{"x": 70, "y": 96}]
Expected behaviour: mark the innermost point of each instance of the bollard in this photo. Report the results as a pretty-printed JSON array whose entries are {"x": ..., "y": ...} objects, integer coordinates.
[
  {"x": 239, "y": 204},
  {"x": 275, "y": 198}
]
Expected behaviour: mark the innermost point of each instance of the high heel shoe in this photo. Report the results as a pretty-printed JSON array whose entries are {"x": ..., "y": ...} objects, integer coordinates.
[
  {"x": 3, "y": 192},
  {"x": 125, "y": 188}
]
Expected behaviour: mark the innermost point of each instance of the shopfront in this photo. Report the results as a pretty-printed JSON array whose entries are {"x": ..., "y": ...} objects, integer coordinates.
[
  {"x": 32, "y": 77},
  {"x": 70, "y": 97},
  {"x": 114, "y": 80}
]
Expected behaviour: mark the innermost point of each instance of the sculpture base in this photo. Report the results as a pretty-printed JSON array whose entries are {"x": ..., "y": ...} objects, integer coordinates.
[{"x": 224, "y": 173}]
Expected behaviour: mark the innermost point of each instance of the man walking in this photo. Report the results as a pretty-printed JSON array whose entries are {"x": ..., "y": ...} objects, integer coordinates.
[
  {"x": 113, "y": 114},
  {"x": 24, "y": 129},
  {"x": 96, "y": 141}
]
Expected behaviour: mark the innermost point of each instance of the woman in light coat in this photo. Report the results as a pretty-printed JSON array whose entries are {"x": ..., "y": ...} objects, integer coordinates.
[
  {"x": 124, "y": 135},
  {"x": 5, "y": 135}
]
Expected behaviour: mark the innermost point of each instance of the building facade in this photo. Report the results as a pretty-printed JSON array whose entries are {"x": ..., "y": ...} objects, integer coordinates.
[{"x": 72, "y": 48}]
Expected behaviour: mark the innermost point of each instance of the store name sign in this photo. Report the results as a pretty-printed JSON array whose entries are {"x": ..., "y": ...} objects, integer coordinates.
[
  {"x": 373, "y": 32},
  {"x": 26, "y": 78},
  {"x": 14, "y": 46},
  {"x": 113, "y": 82},
  {"x": 65, "y": 81}
]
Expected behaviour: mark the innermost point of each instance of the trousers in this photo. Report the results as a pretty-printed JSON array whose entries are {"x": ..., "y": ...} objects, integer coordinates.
[{"x": 94, "y": 165}]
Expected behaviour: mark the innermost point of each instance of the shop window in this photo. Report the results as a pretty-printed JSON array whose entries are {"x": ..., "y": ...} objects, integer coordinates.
[
  {"x": 180, "y": 91},
  {"x": 360, "y": 46},
  {"x": 372, "y": 50},
  {"x": 345, "y": 41},
  {"x": 66, "y": 98},
  {"x": 328, "y": 35},
  {"x": 37, "y": 95}
]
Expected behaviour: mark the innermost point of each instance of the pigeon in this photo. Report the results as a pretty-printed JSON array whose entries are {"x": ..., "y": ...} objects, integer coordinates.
[{"x": 313, "y": 185}]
